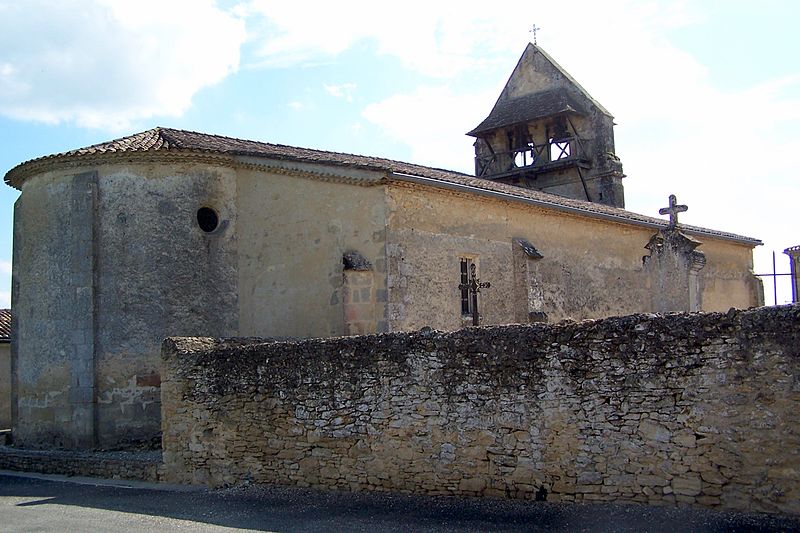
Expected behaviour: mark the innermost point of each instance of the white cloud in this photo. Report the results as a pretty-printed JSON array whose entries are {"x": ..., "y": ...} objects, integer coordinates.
[
  {"x": 344, "y": 90},
  {"x": 5, "y": 267},
  {"x": 436, "y": 38},
  {"x": 432, "y": 121},
  {"x": 295, "y": 105},
  {"x": 105, "y": 63}
]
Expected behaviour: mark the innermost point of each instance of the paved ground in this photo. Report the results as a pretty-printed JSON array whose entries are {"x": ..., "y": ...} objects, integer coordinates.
[{"x": 43, "y": 503}]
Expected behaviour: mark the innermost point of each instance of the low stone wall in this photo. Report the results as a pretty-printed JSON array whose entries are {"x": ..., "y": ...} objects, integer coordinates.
[
  {"x": 142, "y": 466},
  {"x": 687, "y": 408}
]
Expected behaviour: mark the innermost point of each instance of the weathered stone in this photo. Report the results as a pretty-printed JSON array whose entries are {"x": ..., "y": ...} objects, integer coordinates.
[
  {"x": 651, "y": 481},
  {"x": 652, "y": 431},
  {"x": 687, "y": 486},
  {"x": 374, "y": 398},
  {"x": 590, "y": 478},
  {"x": 472, "y": 485},
  {"x": 685, "y": 439},
  {"x": 713, "y": 477}
]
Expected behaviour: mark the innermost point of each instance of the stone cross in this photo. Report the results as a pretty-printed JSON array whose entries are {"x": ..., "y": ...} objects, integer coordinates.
[
  {"x": 673, "y": 210},
  {"x": 533, "y": 30},
  {"x": 474, "y": 286}
]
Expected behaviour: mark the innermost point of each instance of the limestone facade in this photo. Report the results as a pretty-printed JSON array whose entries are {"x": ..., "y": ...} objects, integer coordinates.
[{"x": 677, "y": 409}]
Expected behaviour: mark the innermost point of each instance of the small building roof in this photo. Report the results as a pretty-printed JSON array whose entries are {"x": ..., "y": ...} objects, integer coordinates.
[
  {"x": 5, "y": 325},
  {"x": 172, "y": 141}
]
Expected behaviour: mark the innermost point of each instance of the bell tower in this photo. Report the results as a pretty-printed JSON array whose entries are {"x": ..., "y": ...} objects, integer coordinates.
[{"x": 547, "y": 133}]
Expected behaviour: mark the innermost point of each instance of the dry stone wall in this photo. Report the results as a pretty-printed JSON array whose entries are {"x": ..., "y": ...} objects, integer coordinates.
[
  {"x": 683, "y": 408},
  {"x": 142, "y": 466}
]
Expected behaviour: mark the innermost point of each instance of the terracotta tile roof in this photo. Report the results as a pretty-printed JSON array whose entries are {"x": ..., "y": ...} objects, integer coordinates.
[
  {"x": 172, "y": 140},
  {"x": 5, "y": 325},
  {"x": 510, "y": 111}
]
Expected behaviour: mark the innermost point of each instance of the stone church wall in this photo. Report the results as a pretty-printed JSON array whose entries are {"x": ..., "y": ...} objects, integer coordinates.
[
  {"x": 108, "y": 262},
  {"x": 111, "y": 259},
  {"x": 683, "y": 408},
  {"x": 590, "y": 268},
  {"x": 293, "y": 233},
  {"x": 157, "y": 273},
  {"x": 53, "y": 294},
  {"x": 5, "y": 385}
]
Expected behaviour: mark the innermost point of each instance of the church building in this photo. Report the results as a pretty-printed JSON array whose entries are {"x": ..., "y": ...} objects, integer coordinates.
[{"x": 169, "y": 232}]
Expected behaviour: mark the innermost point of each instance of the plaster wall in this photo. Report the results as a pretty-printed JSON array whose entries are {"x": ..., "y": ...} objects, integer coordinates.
[
  {"x": 53, "y": 291},
  {"x": 293, "y": 233},
  {"x": 159, "y": 274},
  {"x": 727, "y": 278},
  {"x": 5, "y": 385}
]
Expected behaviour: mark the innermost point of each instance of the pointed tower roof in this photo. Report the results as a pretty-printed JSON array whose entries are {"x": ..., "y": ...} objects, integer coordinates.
[{"x": 518, "y": 104}]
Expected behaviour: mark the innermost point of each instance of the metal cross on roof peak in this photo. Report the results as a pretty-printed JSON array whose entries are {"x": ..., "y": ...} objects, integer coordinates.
[
  {"x": 673, "y": 210},
  {"x": 533, "y": 30}
]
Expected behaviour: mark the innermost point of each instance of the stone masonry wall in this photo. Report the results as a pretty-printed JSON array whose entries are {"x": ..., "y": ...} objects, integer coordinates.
[
  {"x": 683, "y": 408},
  {"x": 141, "y": 466}
]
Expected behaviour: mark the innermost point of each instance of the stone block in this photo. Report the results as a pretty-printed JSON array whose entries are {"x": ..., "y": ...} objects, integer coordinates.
[
  {"x": 652, "y": 431},
  {"x": 590, "y": 478},
  {"x": 645, "y": 480},
  {"x": 713, "y": 477},
  {"x": 472, "y": 485},
  {"x": 687, "y": 486},
  {"x": 687, "y": 440}
]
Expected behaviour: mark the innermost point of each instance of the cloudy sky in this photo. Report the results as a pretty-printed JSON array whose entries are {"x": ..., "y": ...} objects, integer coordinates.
[{"x": 706, "y": 93}]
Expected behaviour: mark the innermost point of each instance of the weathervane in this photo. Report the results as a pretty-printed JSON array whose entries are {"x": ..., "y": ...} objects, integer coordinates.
[{"x": 533, "y": 30}]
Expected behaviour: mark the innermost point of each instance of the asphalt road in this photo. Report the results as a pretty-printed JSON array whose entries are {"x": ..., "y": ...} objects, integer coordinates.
[{"x": 47, "y": 503}]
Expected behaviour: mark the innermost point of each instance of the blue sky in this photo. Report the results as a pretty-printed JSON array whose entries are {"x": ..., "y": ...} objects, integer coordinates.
[{"x": 706, "y": 94}]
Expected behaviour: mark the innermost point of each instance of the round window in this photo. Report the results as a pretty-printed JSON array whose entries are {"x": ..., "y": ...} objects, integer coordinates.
[{"x": 207, "y": 219}]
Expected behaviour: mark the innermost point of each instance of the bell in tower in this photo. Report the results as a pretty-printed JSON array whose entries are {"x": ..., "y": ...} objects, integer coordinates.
[{"x": 547, "y": 133}]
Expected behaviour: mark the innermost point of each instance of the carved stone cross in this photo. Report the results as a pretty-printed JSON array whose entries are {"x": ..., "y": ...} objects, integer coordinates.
[
  {"x": 673, "y": 210},
  {"x": 474, "y": 286}
]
